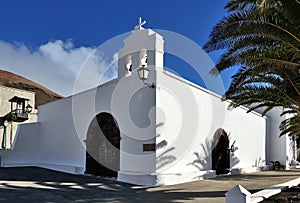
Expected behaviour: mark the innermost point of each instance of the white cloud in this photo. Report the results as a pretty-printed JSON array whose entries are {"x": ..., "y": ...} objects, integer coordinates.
[
  {"x": 55, "y": 64},
  {"x": 96, "y": 70}
]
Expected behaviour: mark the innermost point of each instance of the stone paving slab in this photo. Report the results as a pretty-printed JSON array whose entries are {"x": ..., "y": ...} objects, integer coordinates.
[{"x": 31, "y": 184}]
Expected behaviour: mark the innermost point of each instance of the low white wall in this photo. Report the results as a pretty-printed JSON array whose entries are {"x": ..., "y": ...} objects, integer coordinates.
[
  {"x": 187, "y": 118},
  {"x": 25, "y": 151},
  {"x": 59, "y": 143}
]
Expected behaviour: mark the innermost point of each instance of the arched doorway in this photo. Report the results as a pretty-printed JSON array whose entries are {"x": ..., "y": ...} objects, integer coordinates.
[
  {"x": 220, "y": 152},
  {"x": 103, "y": 146}
]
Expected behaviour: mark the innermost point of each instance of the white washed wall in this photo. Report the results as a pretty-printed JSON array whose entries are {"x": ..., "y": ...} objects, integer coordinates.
[
  {"x": 63, "y": 144},
  {"x": 187, "y": 118},
  {"x": 58, "y": 139},
  {"x": 25, "y": 150},
  {"x": 277, "y": 148},
  {"x": 131, "y": 103}
]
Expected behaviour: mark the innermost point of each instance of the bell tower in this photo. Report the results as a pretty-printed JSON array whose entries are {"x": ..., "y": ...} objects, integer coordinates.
[
  {"x": 136, "y": 112},
  {"x": 143, "y": 47}
]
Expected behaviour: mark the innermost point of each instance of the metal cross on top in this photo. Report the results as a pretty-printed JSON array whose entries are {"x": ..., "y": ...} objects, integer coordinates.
[{"x": 139, "y": 26}]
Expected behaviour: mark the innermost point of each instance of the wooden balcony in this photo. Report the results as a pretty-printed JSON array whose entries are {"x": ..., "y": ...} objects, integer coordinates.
[{"x": 19, "y": 116}]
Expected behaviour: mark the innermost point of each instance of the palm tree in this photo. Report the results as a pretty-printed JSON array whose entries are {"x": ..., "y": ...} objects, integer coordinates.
[{"x": 262, "y": 36}]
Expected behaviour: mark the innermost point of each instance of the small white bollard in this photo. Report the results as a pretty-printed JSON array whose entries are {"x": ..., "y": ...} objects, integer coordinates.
[{"x": 238, "y": 194}]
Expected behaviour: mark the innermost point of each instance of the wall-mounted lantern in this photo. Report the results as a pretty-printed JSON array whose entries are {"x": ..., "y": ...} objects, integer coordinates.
[
  {"x": 143, "y": 73},
  {"x": 28, "y": 108}
]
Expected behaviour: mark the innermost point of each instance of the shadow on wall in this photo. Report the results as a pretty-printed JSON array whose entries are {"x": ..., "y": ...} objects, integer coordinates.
[
  {"x": 203, "y": 158},
  {"x": 234, "y": 160},
  {"x": 294, "y": 148},
  {"x": 161, "y": 144},
  {"x": 165, "y": 158},
  {"x": 259, "y": 162}
]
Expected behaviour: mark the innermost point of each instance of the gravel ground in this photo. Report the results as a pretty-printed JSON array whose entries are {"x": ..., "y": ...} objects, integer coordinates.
[{"x": 291, "y": 195}]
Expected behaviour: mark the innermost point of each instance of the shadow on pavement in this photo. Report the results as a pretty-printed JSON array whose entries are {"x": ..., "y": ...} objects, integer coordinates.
[{"x": 31, "y": 184}]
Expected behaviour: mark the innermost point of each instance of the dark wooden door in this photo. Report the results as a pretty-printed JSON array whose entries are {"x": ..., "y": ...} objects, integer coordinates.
[
  {"x": 220, "y": 152},
  {"x": 103, "y": 146}
]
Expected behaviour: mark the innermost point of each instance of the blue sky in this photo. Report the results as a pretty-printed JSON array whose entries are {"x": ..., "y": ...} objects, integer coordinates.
[{"x": 46, "y": 40}]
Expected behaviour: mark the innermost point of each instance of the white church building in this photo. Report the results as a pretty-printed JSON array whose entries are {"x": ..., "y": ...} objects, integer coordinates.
[{"x": 161, "y": 130}]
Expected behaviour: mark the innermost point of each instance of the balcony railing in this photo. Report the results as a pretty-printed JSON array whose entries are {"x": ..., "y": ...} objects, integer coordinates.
[{"x": 19, "y": 115}]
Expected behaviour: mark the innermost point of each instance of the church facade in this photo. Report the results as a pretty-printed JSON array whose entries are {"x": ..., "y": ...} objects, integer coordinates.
[{"x": 161, "y": 130}]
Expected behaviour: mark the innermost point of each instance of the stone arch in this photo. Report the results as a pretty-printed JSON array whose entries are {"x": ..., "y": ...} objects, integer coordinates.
[
  {"x": 220, "y": 152},
  {"x": 103, "y": 146}
]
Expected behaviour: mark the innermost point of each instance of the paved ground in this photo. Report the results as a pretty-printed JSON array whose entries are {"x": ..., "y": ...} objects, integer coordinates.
[{"x": 30, "y": 184}]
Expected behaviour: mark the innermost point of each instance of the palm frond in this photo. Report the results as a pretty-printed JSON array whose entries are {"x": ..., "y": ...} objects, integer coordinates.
[{"x": 263, "y": 37}]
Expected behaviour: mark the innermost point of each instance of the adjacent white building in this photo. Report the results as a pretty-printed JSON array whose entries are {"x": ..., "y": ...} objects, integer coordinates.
[
  {"x": 158, "y": 133},
  {"x": 9, "y": 132}
]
